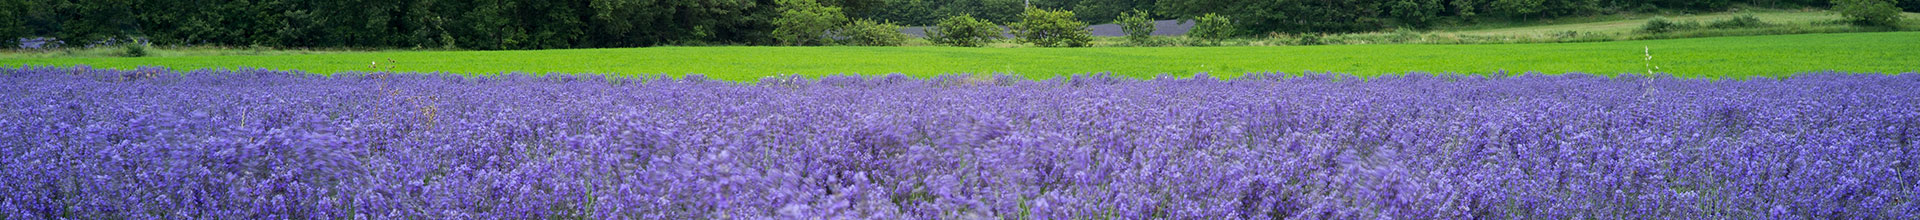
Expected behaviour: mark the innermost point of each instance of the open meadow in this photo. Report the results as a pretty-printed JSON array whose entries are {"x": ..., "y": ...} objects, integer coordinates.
[{"x": 1735, "y": 57}]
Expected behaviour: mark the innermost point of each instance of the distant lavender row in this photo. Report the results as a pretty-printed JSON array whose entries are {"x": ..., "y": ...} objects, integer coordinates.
[{"x": 104, "y": 144}]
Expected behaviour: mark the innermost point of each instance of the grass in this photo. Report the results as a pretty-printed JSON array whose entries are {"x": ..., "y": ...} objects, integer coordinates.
[
  {"x": 1625, "y": 24},
  {"x": 1609, "y": 27},
  {"x": 163, "y": 52},
  {"x": 1736, "y": 57}
]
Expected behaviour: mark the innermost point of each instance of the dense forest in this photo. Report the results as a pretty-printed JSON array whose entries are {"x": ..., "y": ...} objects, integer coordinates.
[{"x": 545, "y": 24}]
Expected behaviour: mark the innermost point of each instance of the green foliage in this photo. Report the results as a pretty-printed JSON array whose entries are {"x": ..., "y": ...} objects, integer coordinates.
[
  {"x": 964, "y": 31},
  {"x": 1403, "y": 36},
  {"x": 1466, "y": 9},
  {"x": 90, "y": 22},
  {"x": 543, "y": 24},
  {"x": 1740, "y": 21},
  {"x": 1516, "y": 7},
  {"x": 1660, "y": 25},
  {"x": 1099, "y": 11},
  {"x": 134, "y": 50},
  {"x": 1211, "y": 28},
  {"x": 481, "y": 24},
  {"x": 909, "y": 12},
  {"x": 865, "y": 32},
  {"x": 1139, "y": 29},
  {"x": 1265, "y": 16},
  {"x": 1869, "y": 12},
  {"x": 13, "y": 24},
  {"x": 1542, "y": 8},
  {"x": 1415, "y": 13},
  {"x": 1051, "y": 28},
  {"x": 929, "y": 12},
  {"x": 476, "y": 24},
  {"x": 1698, "y": 5},
  {"x": 1311, "y": 39},
  {"x": 997, "y": 11},
  {"x": 806, "y": 23}
]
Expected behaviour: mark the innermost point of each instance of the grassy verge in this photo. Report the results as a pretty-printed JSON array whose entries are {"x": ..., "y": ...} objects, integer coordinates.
[
  {"x": 1627, "y": 23},
  {"x": 159, "y": 51},
  {"x": 1777, "y": 55},
  {"x": 1615, "y": 27}
]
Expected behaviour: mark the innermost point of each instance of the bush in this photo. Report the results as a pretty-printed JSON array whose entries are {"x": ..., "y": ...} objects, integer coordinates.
[
  {"x": 805, "y": 22},
  {"x": 1403, "y": 35},
  {"x": 1660, "y": 25},
  {"x": 1869, "y": 12},
  {"x": 135, "y": 49},
  {"x": 1310, "y": 39},
  {"x": 963, "y": 31},
  {"x": 1741, "y": 21},
  {"x": 1051, "y": 28},
  {"x": 1139, "y": 29},
  {"x": 1211, "y": 28},
  {"x": 864, "y": 32}
]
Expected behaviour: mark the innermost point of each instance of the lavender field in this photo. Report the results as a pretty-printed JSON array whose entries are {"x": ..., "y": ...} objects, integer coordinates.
[{"x": 82, "y": 143}]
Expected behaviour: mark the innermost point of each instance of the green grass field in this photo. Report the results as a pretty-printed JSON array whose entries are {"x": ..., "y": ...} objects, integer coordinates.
[
  {"x": 1738, "y": 57},
  {"x": 1624, "y": 24}
]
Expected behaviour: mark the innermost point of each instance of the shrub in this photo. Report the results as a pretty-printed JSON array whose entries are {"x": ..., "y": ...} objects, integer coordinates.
[
  {"x": 135, "y": 49},
  {"x": 1310, "y": 39},
  {"x": 1051, "y": 28},
  {"x": 963, "y": 31},
  {"x": 865, "y": 32},
  {"x": 1564, "y": 35},
  {"x": 1869, "y": 12},
  {"x": 1741, "y": 21},
  {"x": 1211, "y": 28},
  {"x": 1660, "y": 25},
  {"x": 1403, "y": 35},
  {"x": 1139, "y": 29},
  {"x": 805, "y": 22}
]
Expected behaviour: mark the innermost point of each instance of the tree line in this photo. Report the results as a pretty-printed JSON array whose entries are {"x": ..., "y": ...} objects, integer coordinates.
[{"x": 548, "y": 24}]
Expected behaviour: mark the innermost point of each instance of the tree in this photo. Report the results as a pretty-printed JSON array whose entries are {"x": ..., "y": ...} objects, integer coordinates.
[
  {"x": 490, "y": 25},
  {"x": 806, "y": 23},
  {"x": 1415, "y": 13},
  {"x": 1051, "y": 28},
  {"x": 1264, "y": 16},
  {"x": 1869, "y": 12},
  {"x": 856, "y": 8},
  {"x": 998, "y": 11},
  {"x": 1517, "y": 7},
  {"x": 963, "y": 31},
  {"x": 429, "y": 25},
  {"x": 553, "y": 24},
  {"x": 1139, "y": 29},
  {"x": 13, "y": 24},
  {"x": 1211, "y": 28},
  {"x": 1097, "y": 12},
  {"x": 866, "y": 32},
  {"x": 89, "y": 22},
  {"x": 909, "y": 12},
  {"x": 621, "y": 23},
  {"x": 1542, "y": 8}
]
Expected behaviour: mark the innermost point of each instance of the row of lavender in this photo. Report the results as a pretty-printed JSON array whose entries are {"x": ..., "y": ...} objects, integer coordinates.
[{"x": 255, "y": 144}]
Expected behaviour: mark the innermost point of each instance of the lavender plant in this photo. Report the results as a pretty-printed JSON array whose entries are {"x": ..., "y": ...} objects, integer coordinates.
[{"x": 84, "y": 143}]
